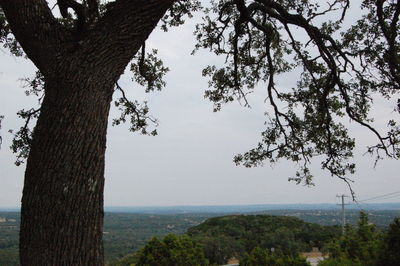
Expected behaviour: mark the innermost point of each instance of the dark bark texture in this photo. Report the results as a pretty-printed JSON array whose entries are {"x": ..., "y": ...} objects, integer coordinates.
[{"x": 62, "y": 203}]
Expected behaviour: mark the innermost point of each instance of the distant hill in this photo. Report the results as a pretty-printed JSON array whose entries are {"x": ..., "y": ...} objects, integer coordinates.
[{"x": 233, "y": 235}]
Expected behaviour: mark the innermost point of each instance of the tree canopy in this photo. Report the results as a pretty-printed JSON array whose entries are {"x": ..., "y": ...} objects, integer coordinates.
[
  {"x": 337, "y": 71},
  {"x": 365, "y": 245},
  {"x": 391, "y": 245},
  {"x": 259, "y": 256},
  {"x": 341, "y": 70},
  {"x": 172, "y": 250},
  {"x": 231, "y": 236}
]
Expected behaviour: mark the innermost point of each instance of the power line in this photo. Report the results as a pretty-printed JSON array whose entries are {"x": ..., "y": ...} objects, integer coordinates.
[
  {"x": 389, "y": 197},
  {"x": 393, "y": 194}
]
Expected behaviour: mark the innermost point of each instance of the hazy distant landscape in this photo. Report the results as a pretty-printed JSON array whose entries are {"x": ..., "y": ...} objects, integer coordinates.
[
  {"x": 127, "y": 229},
  {"x": 251, "y": 208}
]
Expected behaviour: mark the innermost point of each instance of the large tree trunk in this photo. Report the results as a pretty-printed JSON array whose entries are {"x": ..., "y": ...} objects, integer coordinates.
[{"x": 62, "y": 203}]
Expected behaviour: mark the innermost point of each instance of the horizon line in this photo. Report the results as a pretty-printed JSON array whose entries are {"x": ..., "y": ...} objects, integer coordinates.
[{"x": 218, "y": 205}]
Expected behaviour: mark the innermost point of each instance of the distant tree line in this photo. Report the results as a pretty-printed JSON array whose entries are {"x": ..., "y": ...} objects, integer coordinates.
[{"x": 219, "y": 239}]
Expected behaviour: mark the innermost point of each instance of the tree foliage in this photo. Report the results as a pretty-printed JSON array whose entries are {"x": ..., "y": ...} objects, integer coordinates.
[
  {"x": 259, "y": 256},
  {"x": 232, "y": 236},
  {"x": 172, "y": 250},
  {"x": 390, "y": 255},
  {"x": 342, "y": 69},
  {"x": 359, "y": 246},
  {"x": 1, "y": 119},
  {"x": 146, "y": 68}
]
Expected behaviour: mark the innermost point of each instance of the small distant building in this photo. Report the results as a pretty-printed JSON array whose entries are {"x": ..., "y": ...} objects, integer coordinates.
[
  {"x": 314, "y": 257},
  {"x": 3, "y": 220},
  {"x": 232, "y": 262}
]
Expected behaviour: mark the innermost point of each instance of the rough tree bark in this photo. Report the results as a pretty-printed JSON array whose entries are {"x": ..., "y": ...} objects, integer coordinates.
[{"x": 62, "y": 203}]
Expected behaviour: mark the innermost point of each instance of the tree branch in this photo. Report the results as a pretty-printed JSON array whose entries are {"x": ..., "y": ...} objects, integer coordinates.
[
  {"x": 122, "y": 30},
  {"x": 93, "y": 11},
  {"x": 36, "y": 29}
]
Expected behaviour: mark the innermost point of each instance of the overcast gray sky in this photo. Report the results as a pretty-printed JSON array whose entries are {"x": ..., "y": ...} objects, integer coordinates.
[{"x": 190, "y": 161}]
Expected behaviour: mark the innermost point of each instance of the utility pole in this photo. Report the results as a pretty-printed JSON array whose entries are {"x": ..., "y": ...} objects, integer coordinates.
[{"x": 343, "y": 211}]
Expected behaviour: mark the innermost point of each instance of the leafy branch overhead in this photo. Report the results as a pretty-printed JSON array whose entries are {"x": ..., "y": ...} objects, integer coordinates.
[
  {"x": 1, "y": 139},
  {"x": 22, "y": 138},
  {"x": 341, "y": 69},
  {"x": 148, "y": 70},
  {"x": 138, "y": 114}
]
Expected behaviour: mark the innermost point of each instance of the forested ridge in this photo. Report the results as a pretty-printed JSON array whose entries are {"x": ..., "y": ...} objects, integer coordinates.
[
  {"x": 233, "y": 236},
  {"x": 125, "y": 233},
  {"x": 287, "y": 233},
  {"x": 272, "y": 240},
  {"x": 219, "y": 239}
]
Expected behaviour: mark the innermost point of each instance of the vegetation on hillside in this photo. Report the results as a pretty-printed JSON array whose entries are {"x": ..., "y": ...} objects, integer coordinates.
[
  {"x": 242, "y": 236},
  {"x": 259, "y": 256},
  {"x": 125, "y": 233},
  {"x": 232, "y": 236},
  {"x": 390, "y": 255},
  {"x": 171, "y": 251},
  {"x": 273, "y": 240},
  {"x": 366, "y": 246}
]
